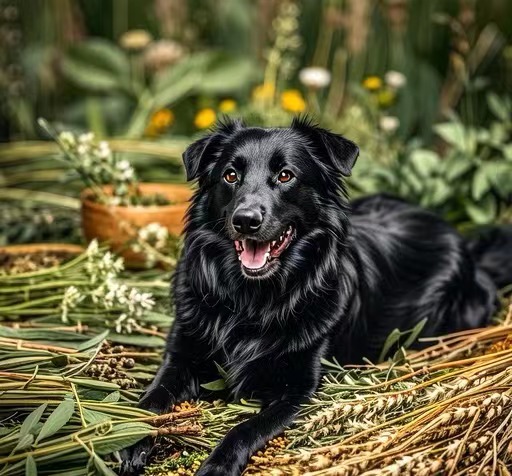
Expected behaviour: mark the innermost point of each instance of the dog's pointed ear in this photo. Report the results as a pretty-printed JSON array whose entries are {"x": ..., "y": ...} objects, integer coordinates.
[
  {"x": 340, "y": 152},
  {"x": 204, "y": 152}
]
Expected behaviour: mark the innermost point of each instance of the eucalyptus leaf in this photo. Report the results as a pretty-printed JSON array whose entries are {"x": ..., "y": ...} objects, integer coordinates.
[
  {"x": 121, "y": 436},
  {"x": 24, "y": 442},
  {"x": 32, "y": 420},
  {"x": 112, "y": 397},
  {"x": 93, "y": 342},
  {"x": 215, "y": 385},
  {"x": 30, "y": 466},
  {"x": 102, "y": 467},
  {"x": 57, "y": 419}
]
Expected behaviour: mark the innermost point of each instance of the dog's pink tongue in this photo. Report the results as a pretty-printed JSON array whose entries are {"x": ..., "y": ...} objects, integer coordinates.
[{"x": 254, "y": 253}]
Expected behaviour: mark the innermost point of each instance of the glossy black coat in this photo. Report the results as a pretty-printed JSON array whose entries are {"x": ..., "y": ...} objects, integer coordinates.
[{"x": 352, "y": 274}]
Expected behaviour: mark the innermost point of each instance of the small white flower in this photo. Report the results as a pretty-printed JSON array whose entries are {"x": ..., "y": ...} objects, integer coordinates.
[
  {"x": 395, "y": 79},
  {"x": 93, "y": 249},
  {"x": 71, "y": 298},
  {"x": 103, "y": 151},
  {"x": 315, "y": 77},
  {"x": 67, "y": 138},
  {"x": 123, "y": 165},
  {"x": 389, "y": 123},
  {"x": 82, "y": 149},
  {"x": 86, "y": 139},
  {"x": 128, "y": 174}
]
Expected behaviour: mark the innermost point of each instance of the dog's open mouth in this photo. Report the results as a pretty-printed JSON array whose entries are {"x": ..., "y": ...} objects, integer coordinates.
[{"x": 255, "y": 255}]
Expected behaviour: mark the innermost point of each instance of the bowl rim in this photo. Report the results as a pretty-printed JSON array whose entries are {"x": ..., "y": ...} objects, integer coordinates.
[
  {"x": 88, "y": 202},
  {"x": 28, "y": 248}
]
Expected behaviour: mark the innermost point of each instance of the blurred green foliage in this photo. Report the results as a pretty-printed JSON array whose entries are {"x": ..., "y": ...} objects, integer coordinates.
[{"x": 420, "y": 85}]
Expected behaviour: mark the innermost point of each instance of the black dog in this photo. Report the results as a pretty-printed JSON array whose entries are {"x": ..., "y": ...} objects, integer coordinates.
[{"x": 278, "y": 271}]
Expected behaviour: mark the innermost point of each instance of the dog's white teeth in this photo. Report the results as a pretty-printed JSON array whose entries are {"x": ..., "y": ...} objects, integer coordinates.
[
  {"x": 267, "y": 257},
  {"x": 273, "y": 244}
]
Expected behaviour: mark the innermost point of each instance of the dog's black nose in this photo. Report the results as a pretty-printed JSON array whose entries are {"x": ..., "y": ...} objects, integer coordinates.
[{"x": 247, "y": 221}]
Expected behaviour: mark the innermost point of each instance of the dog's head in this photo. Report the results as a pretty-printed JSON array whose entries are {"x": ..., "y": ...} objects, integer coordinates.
[{"x": 265, "y": 190}]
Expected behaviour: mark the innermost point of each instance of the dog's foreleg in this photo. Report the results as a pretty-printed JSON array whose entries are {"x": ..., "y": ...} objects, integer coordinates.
[
  {"x": 175, "y": 381},
  {"x": 233, "y": 452}
]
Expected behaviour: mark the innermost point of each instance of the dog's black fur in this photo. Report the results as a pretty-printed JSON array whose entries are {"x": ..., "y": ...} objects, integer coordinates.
[{"x": 352, "y": 273}]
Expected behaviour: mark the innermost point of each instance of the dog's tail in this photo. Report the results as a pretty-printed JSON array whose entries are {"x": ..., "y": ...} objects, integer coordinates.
[{"x": 492, "y": 250}]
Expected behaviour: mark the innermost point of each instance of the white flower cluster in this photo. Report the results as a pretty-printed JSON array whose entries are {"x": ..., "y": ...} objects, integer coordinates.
[
  {"x": 72, "y": 297},
  {"x": 96, "y": 163},
  {"x": 106, "y": 292},
  {"x": 102, "y": 266},
  {"x": 151, "y": 240},
  {"x": 154, "y": 234}
]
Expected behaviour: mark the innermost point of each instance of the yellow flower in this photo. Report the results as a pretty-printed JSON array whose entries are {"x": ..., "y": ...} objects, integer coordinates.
[
  {"x": 159, "y": 122},
  {"x": 292, "y": 101},
  {"x": 205, "y": 118},
  {"x": 372, "y": 83},
  {"x": 263, "y": 91},
  {"x": 227, "y": 105},
  {"x": 135, "y": 40},
  {"x": 385, "y": 98}
]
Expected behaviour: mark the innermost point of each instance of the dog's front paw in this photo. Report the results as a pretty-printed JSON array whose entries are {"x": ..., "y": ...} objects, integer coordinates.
[{"x": 134, "y": 459}]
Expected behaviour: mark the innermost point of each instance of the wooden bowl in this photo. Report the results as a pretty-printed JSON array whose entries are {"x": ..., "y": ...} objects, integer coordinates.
[
  {"x": 40, "y": 254},
  {"x": 117, "y": 226}
]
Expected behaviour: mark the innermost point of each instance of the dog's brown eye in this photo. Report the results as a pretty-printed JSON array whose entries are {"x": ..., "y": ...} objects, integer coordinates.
[
  {"x": 285, "y": 176},
  {"x": 230, "y": 176}
]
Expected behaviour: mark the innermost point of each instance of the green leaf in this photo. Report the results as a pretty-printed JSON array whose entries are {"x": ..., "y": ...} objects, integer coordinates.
[
  {"x": 112, "y": 397},
  {"x": 219, "y": 384},
  {"x": 456, "y": 166},
  {"x": 227, "y": 74},
  {"x": 57, "y": 419},
  {"x": 180, "y": 80},
  {"x": 24, "y": 442},
  {"x": 507, "y": 151},
  {"x": 414, "y": 333},
  {"x": 425, "y": 162},
  {"x": 121, "y": 436},
  {"x": 484, "y": 212},
  {"x": 137, "y": 340},
  {"x": 30, "y": 466},
  {"x": 93, "y": 342},
  {"x": 102, "y": 467},
  {"x": 92, "y": 416},
  {"x": 221, "y": 371},
  {"x": 455, "y": 134},
  {"x": 97, "y": 65},
  {"x": 32, "y": 420},
  {"x": 391, "y": 340},
  {"x": 498, "y": 107},
  {"x": 439, "y": 193},
  {"x": 480, "y": 184}
]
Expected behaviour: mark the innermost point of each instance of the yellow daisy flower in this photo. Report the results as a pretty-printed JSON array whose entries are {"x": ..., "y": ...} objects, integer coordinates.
[
  {"x": 372, "y": 83},
  {"x": 263, "y": 91},
  {"x": 159, "y": 122},
  {"x": 205, "y": 118},
  {"x": 227, "y": 105},
  {"x": 292, "y": 101}
]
